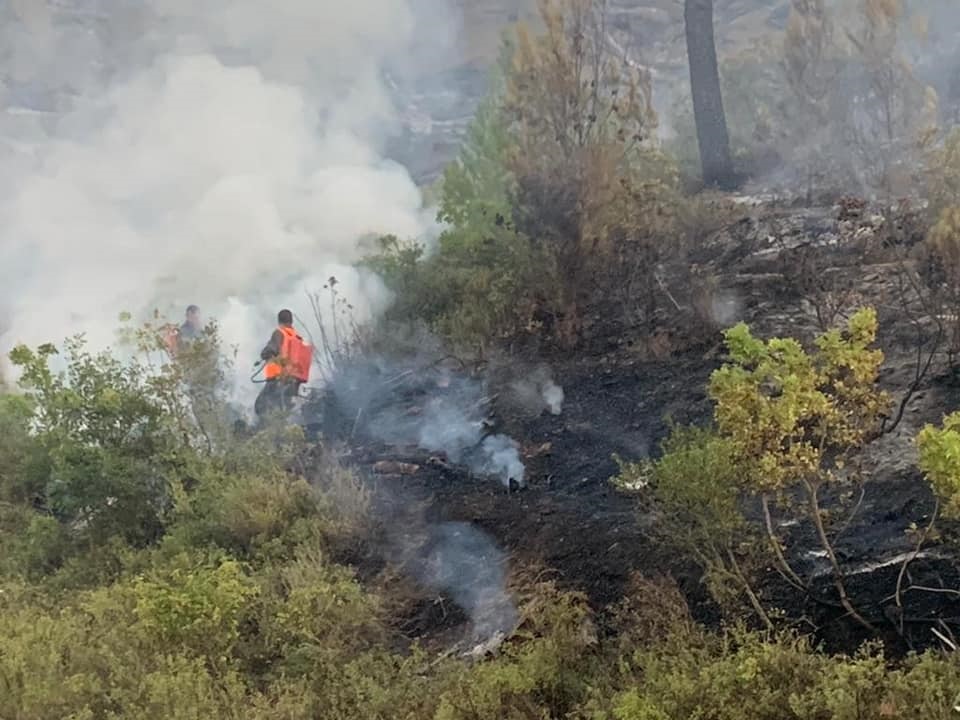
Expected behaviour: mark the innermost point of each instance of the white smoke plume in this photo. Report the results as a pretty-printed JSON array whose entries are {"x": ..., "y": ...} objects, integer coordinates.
[
  {"x": 553, "y": 396},
  {"x": 457, "y": 559},
  {"x": 419, "y": 403},
  {"x": 536, "y": 392},
  {"x": 224, "y": 153},
  {"x": 453, "y": 424},
  {"x": 463, "y": 561},
  {"x": 502, "y": 458}
]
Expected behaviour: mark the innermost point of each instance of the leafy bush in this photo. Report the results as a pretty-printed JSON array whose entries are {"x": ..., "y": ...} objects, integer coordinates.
[
  {"x": 107, "y": 459},
  {"x": 699, "y": 483},
  {"x": 243, "y": 513},
  {"x": 746, "y": 676},
  {"x": 314, "y": 617},
  {"x": 786, "y": 422},
  {"x": 18, "y": 448},
  {"x": 940, "y": 461},
  {"x": 32, "y": 544},
  {"x": 795, "y": 417},
  {"x": 560, "y": 198},
  {"x": 90, "y": 659},
  {"x": 480, "y": 280},
  {"x": 194, "y": 604}
]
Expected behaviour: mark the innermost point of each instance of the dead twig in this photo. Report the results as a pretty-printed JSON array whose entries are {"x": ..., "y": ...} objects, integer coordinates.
[{"x": 915, "y": 553}]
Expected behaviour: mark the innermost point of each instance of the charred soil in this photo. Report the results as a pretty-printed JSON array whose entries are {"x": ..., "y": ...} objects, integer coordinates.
[{"x": 569, "y": 520}]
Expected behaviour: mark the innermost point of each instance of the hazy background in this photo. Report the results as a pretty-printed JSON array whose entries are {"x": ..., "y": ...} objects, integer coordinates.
[
  {"x": 233, "y": 153},
  {"x": 229, "y": 156}
]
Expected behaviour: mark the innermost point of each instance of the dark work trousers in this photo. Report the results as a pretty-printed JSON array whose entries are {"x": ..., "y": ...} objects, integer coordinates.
[{"x": 277, "y": 396}]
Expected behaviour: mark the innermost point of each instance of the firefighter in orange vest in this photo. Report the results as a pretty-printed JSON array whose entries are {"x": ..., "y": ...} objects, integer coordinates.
[
  {"x": 175, "y": 338},
  {"x": 283, "y": 374}
]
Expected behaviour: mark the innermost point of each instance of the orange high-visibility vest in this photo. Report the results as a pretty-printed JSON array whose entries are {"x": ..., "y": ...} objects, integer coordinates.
[
  {"x": 171, "y": 339},
  {"x": 294, "y": 359}
]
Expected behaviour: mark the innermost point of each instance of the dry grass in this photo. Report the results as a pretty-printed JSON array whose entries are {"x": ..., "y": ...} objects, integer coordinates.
[{"x": 344, "y": 491}]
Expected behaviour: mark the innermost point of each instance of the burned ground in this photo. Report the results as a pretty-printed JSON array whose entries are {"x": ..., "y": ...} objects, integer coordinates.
[{"x": 571, "y": 521}]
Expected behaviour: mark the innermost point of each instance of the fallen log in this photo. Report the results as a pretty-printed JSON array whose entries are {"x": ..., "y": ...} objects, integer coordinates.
[{"x": 394, "y": 467}]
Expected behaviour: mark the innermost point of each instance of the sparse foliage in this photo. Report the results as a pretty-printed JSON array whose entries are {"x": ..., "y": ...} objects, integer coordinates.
[
  {"x": 559, "y": 199},
  {"x": 753, "y": 86},
  {"x": 867, "y": 116},
  {"x": 943, "y": 173},
  {"x": 799, "y": 420},
  {"x": 940, "y": 274},
  {"x": 593, "y": 188},
  {"x": 482, "y": 280},
  {"x": 698, "y": 485}
]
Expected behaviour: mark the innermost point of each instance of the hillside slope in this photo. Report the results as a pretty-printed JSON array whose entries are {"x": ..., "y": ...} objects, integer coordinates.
[{"x": 620, "y": 398}]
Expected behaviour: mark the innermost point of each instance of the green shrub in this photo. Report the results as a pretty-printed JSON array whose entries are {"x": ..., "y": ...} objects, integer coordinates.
[
  {"x": 794, "y": 417},
  {"x": 544, "y": 671},
  {"x": 243, "y": 514},
  {"x": 747, "y": 676},
  {"x": 108, "y": 460},
  {"x": 940, "y": 462},
  {"x": 734, "y": 676},
  {"x": 19, "y": 451},
  {"x": 88, "y": 659},
  {"x": 698, "y": 486},
  {"x": 786, "y": 421},
  {"x": 314, "y": 617},
  {"x": 194, "y": 604},
  {"x": 478, "y": 282},
  {"x": 31, "y": 544}
]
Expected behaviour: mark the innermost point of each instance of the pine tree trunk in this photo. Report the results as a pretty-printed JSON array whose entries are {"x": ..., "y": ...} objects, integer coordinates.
[{"x": 712, "y": 136}]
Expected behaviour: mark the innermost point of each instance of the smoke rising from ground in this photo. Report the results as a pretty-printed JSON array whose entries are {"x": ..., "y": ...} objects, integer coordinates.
[
  {"x": 536, "y": 392},
  {"x": 461, "y": 560},
  {"x": 445, "y": 415},
  {"x": 227, "y": 156}
]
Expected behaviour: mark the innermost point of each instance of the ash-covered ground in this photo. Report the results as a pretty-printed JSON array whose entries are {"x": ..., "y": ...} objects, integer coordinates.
[{"x": 513, "y": 458}]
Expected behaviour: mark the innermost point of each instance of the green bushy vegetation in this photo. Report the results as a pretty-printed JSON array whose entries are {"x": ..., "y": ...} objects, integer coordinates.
[
  {"x": 560, "y": 196},
  {"x": 940, "y": 460},
  {"x": 218, "y": 591},
  {"x": 790, "y": 427}
]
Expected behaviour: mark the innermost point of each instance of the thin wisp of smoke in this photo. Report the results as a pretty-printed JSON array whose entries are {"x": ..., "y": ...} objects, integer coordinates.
[{"x": 461, "y": 560}]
